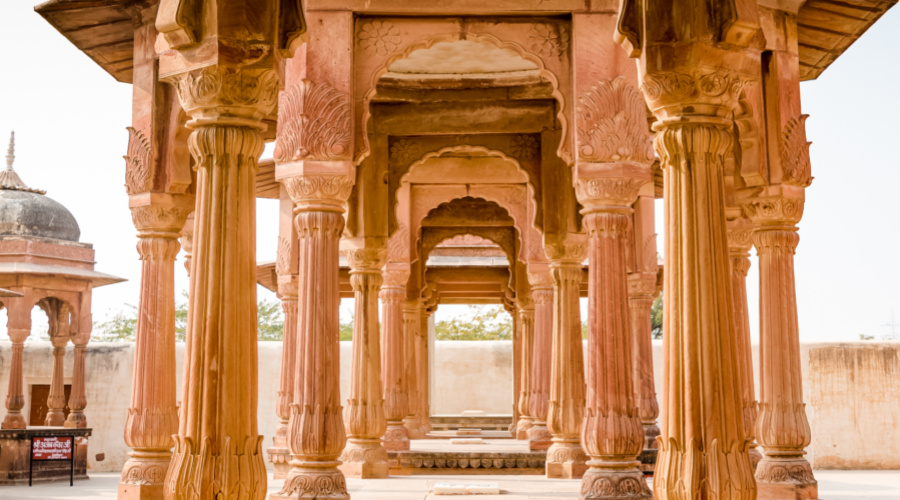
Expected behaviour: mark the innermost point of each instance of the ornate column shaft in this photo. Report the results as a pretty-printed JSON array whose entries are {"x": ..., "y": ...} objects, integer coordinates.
[
  {"x": 218, "y": 450},
  {"x": 316, "y": 431},
  {"x": 56, "y": 400},
  {"x": 411, "y": 324},
  {"x": 539, "y": 399},
  {"x": 703, "y": 447},
  {"x": 77, "y": 399},
  {"x": 612, "y": 433},
  {"x": 640, "y": 301},
  {"x": 782, "y": 427},
  {"x": 365, "y": 456},
  {"x": 565, "y": 457},
  {"x": 280, "y": 454},
  {"x": 526, "y": 327},
  {"x": 393, "y": 366},
  {"x": 152, "y": 416},
  {"x": 739, "y": 245},
  {"x": 424, "y": 407},
  {"x": 19, "y": 327}
]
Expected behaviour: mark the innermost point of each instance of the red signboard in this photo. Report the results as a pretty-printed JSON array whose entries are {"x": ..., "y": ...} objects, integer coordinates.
[{"x": 51, "y": 448}]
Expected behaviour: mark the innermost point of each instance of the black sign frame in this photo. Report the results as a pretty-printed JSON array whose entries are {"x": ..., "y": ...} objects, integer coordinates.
[{"x": 71, "y": 458}]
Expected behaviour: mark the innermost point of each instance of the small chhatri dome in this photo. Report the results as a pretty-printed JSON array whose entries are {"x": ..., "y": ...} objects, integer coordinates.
[{"x": 27, "y": 212}]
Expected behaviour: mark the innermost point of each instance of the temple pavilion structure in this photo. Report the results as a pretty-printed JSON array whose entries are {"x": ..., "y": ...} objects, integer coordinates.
[
  {"x": 545, "y": 127},
  {"x": 43, "y": 264}
]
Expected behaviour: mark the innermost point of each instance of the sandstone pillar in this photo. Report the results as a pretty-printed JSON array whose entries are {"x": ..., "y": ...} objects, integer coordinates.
[
  {"x": 152, "y": 416},
  {"x": 56, "y": 400},
  {"x": 612, "y": 433},
  {"x": 365, "y": 456},
  {"x": 218, "y": 449},
  {"x": 526, "y": 340},
  {"x": 411, "y": 323},
  {"x": 316, "y": 431},
  {"x": 702, "y": 433},
  {"x": 422, "y": 375},
  {"x": 538, "y": 400},
  {"x": 396, "y": 401},
  {"x": 77, "y": 398},
  {"x": 640, "y": 301},
  {"x": 280, "y": 453},
  {"x": 782, "y": 427},
  {"x": 739, "y": 245},
  {"x": 18, "y": 327},
  {"x": 565, "y": 457}
]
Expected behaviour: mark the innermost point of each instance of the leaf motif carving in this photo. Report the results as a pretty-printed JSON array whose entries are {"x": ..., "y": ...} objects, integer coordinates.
[
  {"x": 795, "y": 162},
  {"x": 314, "y": 123},
  {"x": 612, "y": 123},
  {"x": 137, "y": 162}
]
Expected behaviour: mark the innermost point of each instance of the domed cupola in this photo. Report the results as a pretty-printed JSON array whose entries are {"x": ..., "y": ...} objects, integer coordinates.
[{"x": 25, "y": 211}]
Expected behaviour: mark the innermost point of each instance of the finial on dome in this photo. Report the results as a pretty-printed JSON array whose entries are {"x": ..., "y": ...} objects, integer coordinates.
[
  {"x": 11, "y": 151},
  {"x": 9, "y": 179}
]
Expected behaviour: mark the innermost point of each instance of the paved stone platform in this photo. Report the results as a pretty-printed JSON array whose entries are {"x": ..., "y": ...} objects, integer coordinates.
[{"x": 833, "y": 485}]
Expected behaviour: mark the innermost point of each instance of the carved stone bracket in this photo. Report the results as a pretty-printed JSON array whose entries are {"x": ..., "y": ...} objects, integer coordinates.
[
  {"x": 313, "y": 123},
  {"x": 227, "y": 96},
  {"x": 612, "y": 124}
]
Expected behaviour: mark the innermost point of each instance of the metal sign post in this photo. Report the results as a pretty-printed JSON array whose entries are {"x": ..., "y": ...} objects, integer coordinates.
[{"x": 52, "y": 448}]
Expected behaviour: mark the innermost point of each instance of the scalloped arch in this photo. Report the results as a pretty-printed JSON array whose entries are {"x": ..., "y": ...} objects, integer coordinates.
[{"x": 452, "y": 37}]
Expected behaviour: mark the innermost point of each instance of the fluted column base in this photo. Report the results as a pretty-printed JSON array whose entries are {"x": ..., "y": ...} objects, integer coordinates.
[
  {"x": 143, "y": 475},
  {"x": 651, "y": 432},
  {"x": 313, "y": 483},
  {"x": 279, "y": 454},
  {"x": 539, "y": 437},
  {"x": 525, "y": 423},
  {"x": 611, "y": 483},
  {"x": 364, "y": 459},
  {"x": 566, "y": 459},
  {"x": 396, "y": 437},
  {"x": 786, "y": 478}
]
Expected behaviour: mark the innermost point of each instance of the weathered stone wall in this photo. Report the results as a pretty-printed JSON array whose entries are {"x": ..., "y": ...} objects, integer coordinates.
[{"x": 852, "y": 392}]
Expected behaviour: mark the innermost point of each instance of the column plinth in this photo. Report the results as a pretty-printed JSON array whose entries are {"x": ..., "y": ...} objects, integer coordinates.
[
  {"x": 316, "y": 433},
  {"x": 365, "y": 456},
  {"x": 56, "y": 401},
  {"x": 782, "y": 427},
  {"x": 538, "y": 401},
  {"x": 396, "y": 400},
  {"x": 565, "y": 414},
  {"x": 280, "y": 454},
  {"x": 526, "y": 326},
  {"x": 15, "y": 397}
]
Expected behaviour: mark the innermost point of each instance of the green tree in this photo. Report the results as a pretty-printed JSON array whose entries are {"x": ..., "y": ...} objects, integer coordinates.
[
  {"x": 121, "y": 326},
  {"x": 482, "y": 322},
  {"x": 656, "y": 317}
]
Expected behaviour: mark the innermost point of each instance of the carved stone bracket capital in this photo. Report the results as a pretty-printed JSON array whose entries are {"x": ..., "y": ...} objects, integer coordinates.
[
  {"x": 326, "y": 192},
  {"x": 778, "y": 210},
  {"x": 396, "y": 277},
  {"x": 608, "y": 193},
  {"x": 705, "y": 91},
  {"x": 366, "y": 260},
  {"x": 160, "y": 214},
  {"x": 219, "y": 95},
  {"x": 642, "y": 285},
  {"x": 739, "y": 239},
  {"x": 565, "y": 253}
]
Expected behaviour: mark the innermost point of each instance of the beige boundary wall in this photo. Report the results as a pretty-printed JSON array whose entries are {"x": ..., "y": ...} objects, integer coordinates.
[{"x": 852, "y": 392}]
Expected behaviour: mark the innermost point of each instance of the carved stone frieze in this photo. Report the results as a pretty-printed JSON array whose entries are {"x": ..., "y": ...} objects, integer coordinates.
[
  {"x": 160, "y": 218},
  {"x": 379, "y": 37},
  {"x": 137, "y": 162},
  {"x": 450, "y": 460},
  {"x": 795, "y": 164},
  {"x": 313, "y": 123},
  {"x": 548, "y": 39},
  {"x": 595, "y": 486},
  {"x": 612, "y": 124},
  {"x": 144, "y": 473},
  {"x": 797, "y": 472},
  {"x": 233, "y": 96}
]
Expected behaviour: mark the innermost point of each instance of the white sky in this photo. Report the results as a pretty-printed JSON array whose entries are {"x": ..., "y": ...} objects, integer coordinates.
[{"x": 70, "y": 118}]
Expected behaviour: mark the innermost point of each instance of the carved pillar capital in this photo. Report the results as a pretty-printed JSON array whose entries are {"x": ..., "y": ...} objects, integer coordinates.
[
  {"x": 366, "y": 260},
  {"x": 319, "y": 192},
  {"x": 160, "y": 214},
  {"x": 776, "y": 210},
  {"x": 221, "y": 95},
  {"x": 610, "y": 186},
  {"x": 695, "y": 93}
]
